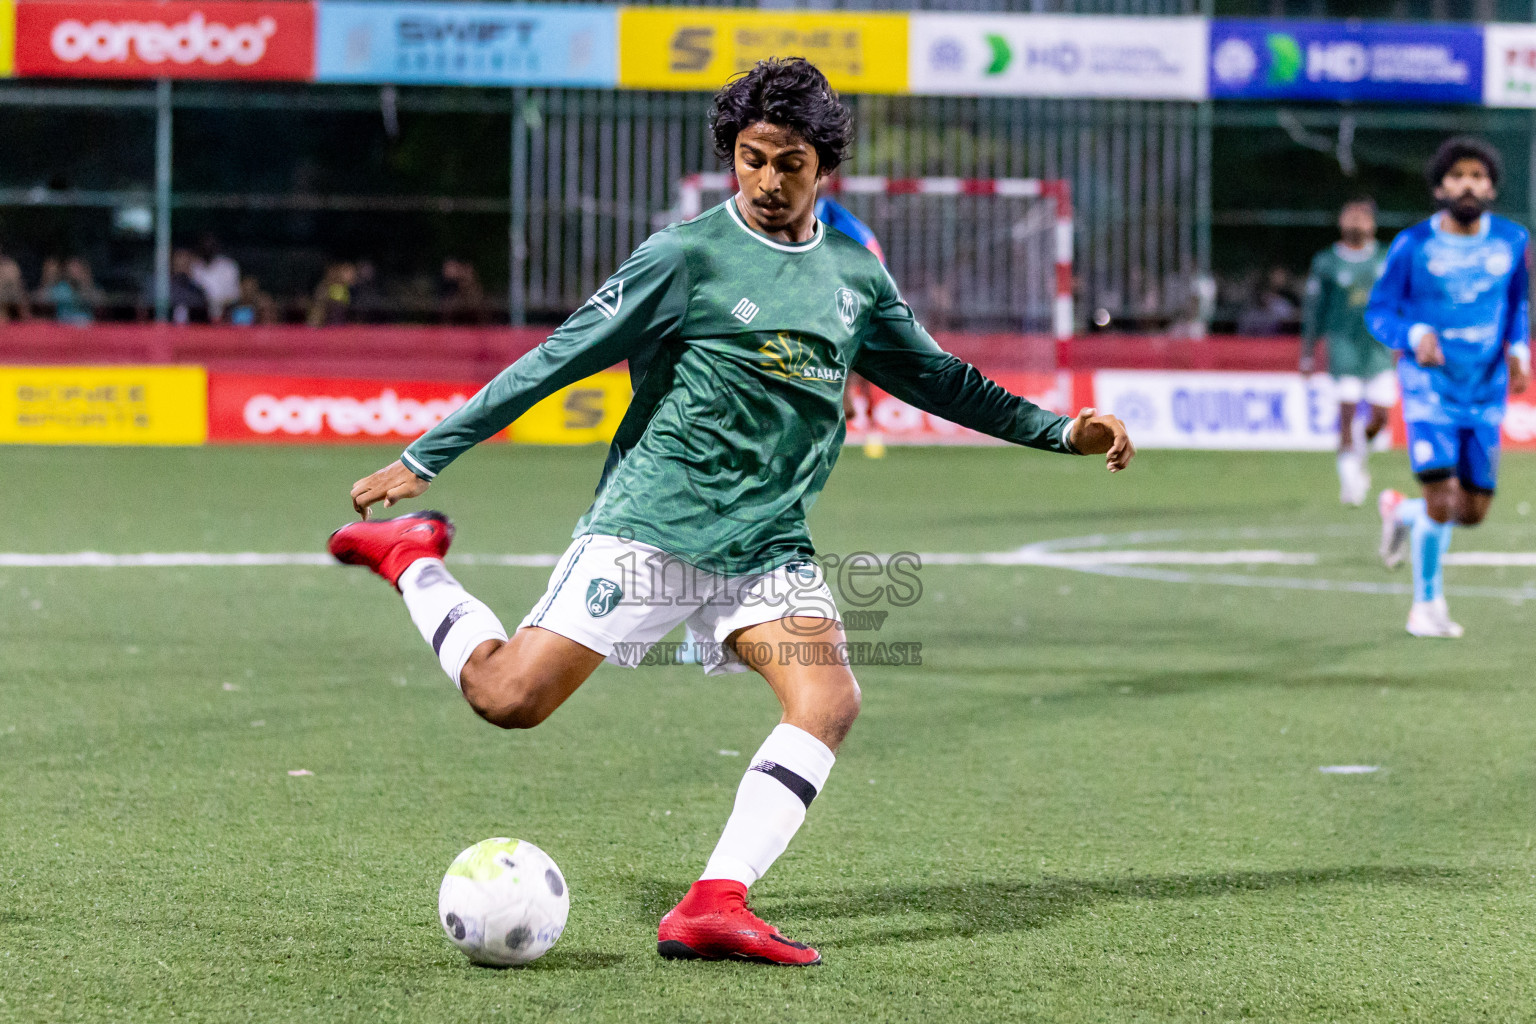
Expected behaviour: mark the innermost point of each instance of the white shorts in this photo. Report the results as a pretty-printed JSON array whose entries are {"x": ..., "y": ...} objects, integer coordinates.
[
  {"x": 619, "y": 597},
  {"x": 1380, "y": 390}
]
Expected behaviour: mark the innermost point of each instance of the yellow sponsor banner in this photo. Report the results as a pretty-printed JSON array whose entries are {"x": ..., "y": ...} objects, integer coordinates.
[
  {"x": 587, "y": 412},
  {"x": 700, "y": 47},
  {"x": 103, "y": 404},
  {"x": 7, "y": 38}
]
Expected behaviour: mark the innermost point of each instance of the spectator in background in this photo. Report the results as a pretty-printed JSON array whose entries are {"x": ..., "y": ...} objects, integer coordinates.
[
  {"x": 368, "y": 305},
  {"x": 461, "y": 299},
  {"x": 332, "y": 303},
  {"x": 1273, "y": 308},
  {"x": 252, "y": 307},
  {"x": 13, "y": 292},
  {"x": 70, "y": 290},
  {"x": 217, "y": 275},
  {"x": 189, "y": 303}
]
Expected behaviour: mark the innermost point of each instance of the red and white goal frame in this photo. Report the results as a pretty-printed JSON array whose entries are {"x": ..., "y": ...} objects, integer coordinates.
[{"x": 691, "y": 191}]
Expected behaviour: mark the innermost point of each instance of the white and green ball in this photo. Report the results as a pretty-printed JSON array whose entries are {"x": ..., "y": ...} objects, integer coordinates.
[{"x": 503, "y": 902}]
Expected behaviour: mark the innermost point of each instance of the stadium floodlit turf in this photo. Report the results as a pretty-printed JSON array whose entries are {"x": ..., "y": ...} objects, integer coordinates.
[{"x": 1098, "y": 799}]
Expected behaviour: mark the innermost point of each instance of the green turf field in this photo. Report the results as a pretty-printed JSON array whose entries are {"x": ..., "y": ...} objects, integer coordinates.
[{"x": 1097, "y": 800}]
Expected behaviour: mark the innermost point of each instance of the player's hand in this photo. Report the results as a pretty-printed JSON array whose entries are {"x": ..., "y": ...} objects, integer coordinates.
[
  {"x": 1519, "y": 376},
  {"x": 391, "y": 484},
  {"x": 1427, "y": 351},
  {"x": 1093, "y": 434}
]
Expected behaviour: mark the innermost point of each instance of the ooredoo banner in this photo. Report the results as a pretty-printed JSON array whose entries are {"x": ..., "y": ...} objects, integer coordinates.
[
  {"x": 1050, "y": 55},
  {"x": 467, "y": 44},
  {"x": 266, "y": 409},
  {"x": 126, "y": 39}
]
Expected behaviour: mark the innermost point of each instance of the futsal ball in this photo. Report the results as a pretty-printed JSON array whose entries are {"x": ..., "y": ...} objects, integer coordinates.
[{"x": 503, "y": 902}]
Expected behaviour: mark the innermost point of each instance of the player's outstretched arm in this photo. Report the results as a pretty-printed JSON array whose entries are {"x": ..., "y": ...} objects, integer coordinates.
[
  {"x": 391, "y": 484},
  {"x": 1092, "y": 434}
]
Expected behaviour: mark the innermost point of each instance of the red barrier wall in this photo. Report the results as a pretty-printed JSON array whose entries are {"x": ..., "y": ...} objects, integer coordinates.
[{"x": 479, "y": 353}]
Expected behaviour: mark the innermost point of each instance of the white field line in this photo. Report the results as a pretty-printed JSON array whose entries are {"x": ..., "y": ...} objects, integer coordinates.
[{"x": 1027, "y": 556}]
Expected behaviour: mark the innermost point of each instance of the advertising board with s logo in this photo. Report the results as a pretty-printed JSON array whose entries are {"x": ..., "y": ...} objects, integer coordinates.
[
  {"x": 587, "y": 412},
  {"x": 698, "y": 48},
  {"x": 103, "y": 405},
  {"x": 7, "y": 38},
  {"x": 228, "y": 39}
]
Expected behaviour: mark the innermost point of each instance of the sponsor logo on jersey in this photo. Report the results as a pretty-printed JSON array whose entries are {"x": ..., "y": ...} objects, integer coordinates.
[
  {"x": 789, "y": 355},
  {"x": 745, "y": 310},
  {"x": 609, "y": 299},
  {"x": 847, "y": 307},
  {"x": 602, "y": 597}
]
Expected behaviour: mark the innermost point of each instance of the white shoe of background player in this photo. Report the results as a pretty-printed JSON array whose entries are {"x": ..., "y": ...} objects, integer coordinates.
[
  {"x": 1394, "y": 535},
  {"x": 1433, "y": 618}
]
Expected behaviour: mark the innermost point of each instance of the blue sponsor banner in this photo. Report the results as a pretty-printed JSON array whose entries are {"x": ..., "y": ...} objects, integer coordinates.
[
  {"x": 1338, "y": 60},
  {"x": 434, "y": 43}
]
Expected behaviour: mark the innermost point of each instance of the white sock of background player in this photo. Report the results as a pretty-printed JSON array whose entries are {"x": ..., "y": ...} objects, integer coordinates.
[
  {"x": 787, "y": 772},
  {"x": 449, "y": 618}
]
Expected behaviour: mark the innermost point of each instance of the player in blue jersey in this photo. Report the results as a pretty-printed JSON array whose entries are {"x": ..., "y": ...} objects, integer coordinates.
[{"x": 1454, "y": 300}]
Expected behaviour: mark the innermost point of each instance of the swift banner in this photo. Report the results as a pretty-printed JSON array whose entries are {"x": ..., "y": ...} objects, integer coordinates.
[
  {"x": 1509, "y": 65},
  {"x": 130, "y": 39},
  {"x": 700, "y": 47},
  {"x": 1045, "y": 55},
  {"x": 7, "y": 37},
  {"x": 103, "y": 404},
  {"x": 1322, "y": 60},
  {"x": 467, "y": 44}
]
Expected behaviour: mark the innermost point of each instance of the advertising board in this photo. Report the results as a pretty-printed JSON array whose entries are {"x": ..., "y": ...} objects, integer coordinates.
[{"x": 103, "y": 405}]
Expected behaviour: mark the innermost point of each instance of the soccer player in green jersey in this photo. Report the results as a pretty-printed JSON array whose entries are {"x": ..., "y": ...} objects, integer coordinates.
[
  {"x": 1338, "y": 289},
  {"x": 740, "y": 328}
]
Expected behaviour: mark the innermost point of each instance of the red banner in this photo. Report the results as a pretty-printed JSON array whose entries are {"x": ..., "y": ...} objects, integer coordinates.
[
  {"x": 265, "y": 409},
  {"x": 133, "y": 39}
]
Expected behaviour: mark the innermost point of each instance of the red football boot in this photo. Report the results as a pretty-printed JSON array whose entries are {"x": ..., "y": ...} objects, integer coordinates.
[
  {"x": 389, "y": 546},
  {"x": 713, "y": 923}
]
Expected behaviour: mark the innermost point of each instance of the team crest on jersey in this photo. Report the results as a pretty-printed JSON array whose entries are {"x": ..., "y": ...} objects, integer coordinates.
[
  {"x": 602, "y": 597},
  {"x": 847, "y": 307},
  {"x": 609, "y": 299}
]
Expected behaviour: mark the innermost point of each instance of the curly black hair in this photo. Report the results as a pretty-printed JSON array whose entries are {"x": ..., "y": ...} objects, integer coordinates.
[
  {"x": 789, "y": 92},
  {"x": 1463, "y": 147}
]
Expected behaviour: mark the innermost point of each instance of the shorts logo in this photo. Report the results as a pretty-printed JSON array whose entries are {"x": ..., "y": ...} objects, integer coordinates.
[
  {"x": 847, "y": 307},
  {"x": 602, "y": 596},
  {"x": 745, "y": 310},
  {"x": 1423, "y": 451}
]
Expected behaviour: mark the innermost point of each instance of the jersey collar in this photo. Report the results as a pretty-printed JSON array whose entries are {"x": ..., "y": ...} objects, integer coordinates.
[
  {"x": 1349, "y": 255},
  {"x": 1484, "y": 226},
  {"x": 815, "y": 239}
]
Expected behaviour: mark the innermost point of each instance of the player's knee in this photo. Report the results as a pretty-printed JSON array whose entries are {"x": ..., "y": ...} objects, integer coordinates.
[
  {"x": 505, "y": 699},
  {"x": 842, "y": 708},
  {"x": 1471, "y": 514}
]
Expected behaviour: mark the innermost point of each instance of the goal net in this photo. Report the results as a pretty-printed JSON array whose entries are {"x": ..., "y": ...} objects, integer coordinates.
[{"x": 969, "y": 254}]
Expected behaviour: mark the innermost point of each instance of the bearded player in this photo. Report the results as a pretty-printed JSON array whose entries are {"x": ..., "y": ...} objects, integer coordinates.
[
  {"x": 1455, "y": 300},
  {"x": 1338, "y": 288},
  {"x": 740, "y": 328}
]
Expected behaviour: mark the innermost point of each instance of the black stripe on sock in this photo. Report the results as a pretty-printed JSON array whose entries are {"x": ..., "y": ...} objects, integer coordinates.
[
  {"x": 792, "y": 782},
  {"x": 455, "y": 613}
]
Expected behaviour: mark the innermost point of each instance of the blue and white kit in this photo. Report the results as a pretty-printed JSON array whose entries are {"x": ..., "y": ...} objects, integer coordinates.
[{"x": 1473, "y": 292}]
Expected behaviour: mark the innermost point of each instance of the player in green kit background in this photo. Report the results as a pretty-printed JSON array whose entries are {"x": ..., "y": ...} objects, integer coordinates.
[
  {"x": 740, "y": 328},
  {"x": 1338, "y": 289}
]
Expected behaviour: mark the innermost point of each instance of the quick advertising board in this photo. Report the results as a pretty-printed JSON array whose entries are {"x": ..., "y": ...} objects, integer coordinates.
[
  {"x": 1346, "y": 60},
  {"x": 1049, "y": 55},
  {"x": 698, "y": 48},
  {"x": 467, "y": 44},
  {"x": 127, "y": 39},
  {"x": 1237, "y": 411}
]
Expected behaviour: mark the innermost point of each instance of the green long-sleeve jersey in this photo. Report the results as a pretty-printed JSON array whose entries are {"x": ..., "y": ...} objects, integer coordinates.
[
  {"x": 1338, "y": 288},
  {"x": 739, "y": 347}
]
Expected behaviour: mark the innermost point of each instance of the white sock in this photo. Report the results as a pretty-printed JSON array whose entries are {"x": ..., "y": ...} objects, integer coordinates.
[
  {"x": 449, "y": 619},
  {"x": 787, "y": 772},
  {"x": 1346, "y": 466}
]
